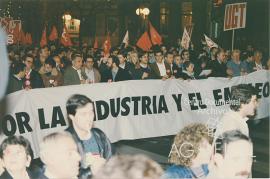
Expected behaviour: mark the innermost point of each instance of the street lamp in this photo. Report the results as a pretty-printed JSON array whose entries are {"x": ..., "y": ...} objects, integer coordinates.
[
  {"x": 143, "y": 12},
  {"x": 66, "y": 17}
]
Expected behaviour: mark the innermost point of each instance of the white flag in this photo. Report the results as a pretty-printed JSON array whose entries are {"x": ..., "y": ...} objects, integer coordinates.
[
  {"x": 126, "y": 39},
  {"x": 185, "y": 39},
  {"x": 210, "y": 43}
]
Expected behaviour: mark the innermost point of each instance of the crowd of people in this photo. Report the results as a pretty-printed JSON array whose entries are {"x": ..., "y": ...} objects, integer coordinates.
[
  {"x": 52, "y": 66},
  {"x": 83, "y": 151}
]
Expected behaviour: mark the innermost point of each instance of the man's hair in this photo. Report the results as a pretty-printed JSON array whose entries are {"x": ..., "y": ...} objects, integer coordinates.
[
  {"x": 228, "y": 137},
  {"x": 27, "y": 56},
  {"x": 257, "y": 52},
  {"x": 123, "y": 53},
  {"x": 76, "y": 101},
  {"x": 60, "y": 50},
  {"x": 213, "y": 49},
  {"x": 186, "y": 64},
  {"x": 131, "y": 167},
  {"x": 16, "y": 140},
  {"x": 50, "y": 140},
  {"x": 236, "y": 51},
  {"x": 54, "y": 55},
  {"x": 182, "y": 52},
  {"x": 177, "y": 55},
  {"x": 17, "y": 67},
  {"x": 89, "y": 56},
  {"x": 241, "y": 94},
  {"x": 219, "y": 51},
  {"x": 157, "y": 50},
  {"x": 115, "y": 60},
  {"x": 75, "y": 55},
  {"x": 114, "y": 49},
  {"x": 169, "y": 53},
  {"x": 250, "y": 54},
  {"x": 41, "y": 48},
  {"x": 142, "y": 53},
  {"x": 192, "y": 134},
  {"x": 50, "y": 61}
]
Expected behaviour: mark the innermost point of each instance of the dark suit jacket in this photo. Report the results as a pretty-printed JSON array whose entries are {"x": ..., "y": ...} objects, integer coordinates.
[
  {"x": 32, "y": 175},
  {"x": 35, "y": 80},
  {"x": 155, "y": 73},
  {"x": 218, "y": 70},
  {"x": 137, "y": 73},
  {"x": 71, "y": 76},
  {"x": 253, "y": 66},
  {"x": 121, "y": 75},
  {"x": 176, "y": 70},
  {"x": 185, "y": 76},
  {"x": 14, "y": 84},
  {"x": 42, "y": 176}
]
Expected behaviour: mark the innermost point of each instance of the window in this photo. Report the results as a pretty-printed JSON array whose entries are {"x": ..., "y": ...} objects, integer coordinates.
[
  {"x": 186, "y": 16},
  {"x": 164, "y": 18}
]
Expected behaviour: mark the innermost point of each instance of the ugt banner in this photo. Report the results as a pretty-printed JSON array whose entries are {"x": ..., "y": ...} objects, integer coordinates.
[
  {"x": 129, "y": 109},
  {"x": 235, "y": 16}
]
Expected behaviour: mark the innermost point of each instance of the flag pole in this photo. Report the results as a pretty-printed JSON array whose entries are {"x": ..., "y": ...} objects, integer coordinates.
[{"x": 232, "y": 39}]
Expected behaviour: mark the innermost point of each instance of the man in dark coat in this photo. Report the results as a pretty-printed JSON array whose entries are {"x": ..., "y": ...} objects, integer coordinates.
[
  {"x": 90, "y": 141},
  {"x": 160, "y": 69},
  {"x": 32, "y": 77},
  {"x": 114, "y": 72},
  {"x": 15, "y": 79},
  {"x": 218, "y": 66}
]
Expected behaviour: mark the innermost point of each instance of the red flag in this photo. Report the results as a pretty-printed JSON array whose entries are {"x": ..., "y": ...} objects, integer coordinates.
[
  {"x": 28, "y": 38},
  {"x": 107, "y": 45},
  {"x": 16, "y": 34},
  {"x": 43, "y": 40},
  {"x": 96, "y": 43},
  {"x": 65, "y": 38},
  {"x": 54, "y": 35},
  {"x": 144, "y": 42},
  {"x": 22, "y": 37},
  {"x": 155, "y": 37}
]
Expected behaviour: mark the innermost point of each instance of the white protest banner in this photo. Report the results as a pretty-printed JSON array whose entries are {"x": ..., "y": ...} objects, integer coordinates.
[
  {"x": 235, "y": 16},
  {"x": 129, "y": 109}
]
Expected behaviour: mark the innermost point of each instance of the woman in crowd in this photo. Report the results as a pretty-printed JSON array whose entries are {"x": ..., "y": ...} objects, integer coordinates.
[
  {"x": 190, "y": 153},
  {"x": 16, "y": 155}
]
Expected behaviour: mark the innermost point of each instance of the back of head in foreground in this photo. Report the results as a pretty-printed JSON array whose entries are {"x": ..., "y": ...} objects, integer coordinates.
[
  {"x": 59, "y": 153},
  {"x": 130, "y": 167},
  {"x": 232, "y": 157}
]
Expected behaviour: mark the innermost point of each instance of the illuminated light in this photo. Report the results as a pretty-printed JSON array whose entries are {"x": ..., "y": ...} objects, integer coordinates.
[
  {"x": 146, "y": 11},
  {"x": 138, "y": 11},
  {"x": 142, "y": 12},
  {"x": 66, "y": 17}
]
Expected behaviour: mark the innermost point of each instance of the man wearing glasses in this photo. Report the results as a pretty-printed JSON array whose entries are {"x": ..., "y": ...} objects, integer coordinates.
[
  {"x": 93, "y": 75},
  {"x": 32, "y": 78}
]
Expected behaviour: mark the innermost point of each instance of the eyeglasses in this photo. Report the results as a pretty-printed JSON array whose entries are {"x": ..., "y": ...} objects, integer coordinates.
[
  {"x": 28, "y": 61},
  {"x": 89, "y": 62}
]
